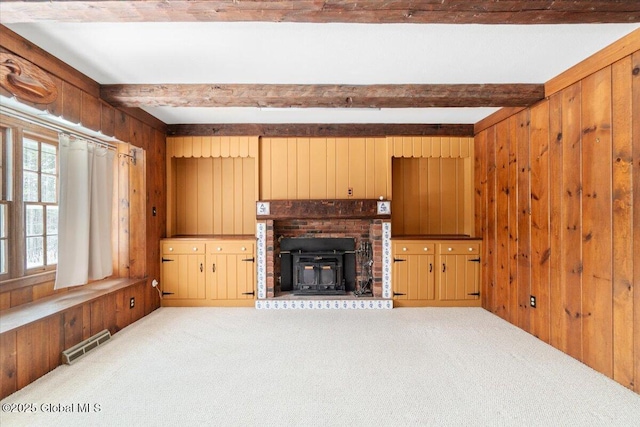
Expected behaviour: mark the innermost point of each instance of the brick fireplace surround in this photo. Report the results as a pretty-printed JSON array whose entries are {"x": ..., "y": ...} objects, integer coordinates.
[{"x": 323, "y": 218}]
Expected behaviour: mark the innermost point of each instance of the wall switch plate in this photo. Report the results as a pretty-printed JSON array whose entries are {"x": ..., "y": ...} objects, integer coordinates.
[
  {"x": 132, "y": 302},
  {"x": 532, "y": 301}
]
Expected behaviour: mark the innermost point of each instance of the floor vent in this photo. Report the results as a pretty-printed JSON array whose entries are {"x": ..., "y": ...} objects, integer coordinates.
[{"x": 72, "y": 354}]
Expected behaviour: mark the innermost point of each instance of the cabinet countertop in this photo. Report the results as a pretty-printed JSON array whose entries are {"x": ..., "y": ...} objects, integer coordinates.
[
  {"x": 436, "y": 237},
  {"x": 212, "y": 237}
]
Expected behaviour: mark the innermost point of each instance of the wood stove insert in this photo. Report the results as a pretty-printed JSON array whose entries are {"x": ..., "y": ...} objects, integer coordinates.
[{"x": 318, "y": 266}]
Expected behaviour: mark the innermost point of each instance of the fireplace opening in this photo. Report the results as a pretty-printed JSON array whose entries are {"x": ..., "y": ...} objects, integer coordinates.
[{"x": 317, "y": 266}]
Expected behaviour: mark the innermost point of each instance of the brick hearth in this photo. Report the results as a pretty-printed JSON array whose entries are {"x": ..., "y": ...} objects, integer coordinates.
[{"x": 356, "y": 219}]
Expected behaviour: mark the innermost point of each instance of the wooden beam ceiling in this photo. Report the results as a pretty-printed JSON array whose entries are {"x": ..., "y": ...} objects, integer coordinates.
[
  {"x": 320, "y": 130},
  {"x": 373, "y": 11},
  {"x": 323, "y": 96}
]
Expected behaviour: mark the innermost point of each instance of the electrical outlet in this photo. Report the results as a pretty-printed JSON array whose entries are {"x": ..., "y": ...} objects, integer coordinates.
[
  {"x": 350, "y": 192},
  {"x": 154, "y": 212},
  {"x": 132, "y": 302},
  {"x": 532, "y": 301}
]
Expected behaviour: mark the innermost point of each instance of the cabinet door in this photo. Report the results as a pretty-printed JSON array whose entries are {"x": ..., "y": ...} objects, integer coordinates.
[
  {"x": 459, "y": 277},
  {"x": 413, "y": 277},
  {"x": 183, "y": 276},
  {"x": 230, "y": 276}
]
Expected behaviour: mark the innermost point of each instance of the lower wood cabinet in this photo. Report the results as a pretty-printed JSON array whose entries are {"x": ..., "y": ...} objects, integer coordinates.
[
  {"x": 459, "y": 271},
  {"x": 231, "y": 271},
  {"x": 436, "y": 273},
  {"x": 207, "y": 272},
  {"x": 182, "y": 270}
]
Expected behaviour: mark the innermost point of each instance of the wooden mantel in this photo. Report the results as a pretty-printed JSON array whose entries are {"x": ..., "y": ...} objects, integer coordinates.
[{"x": 323, "y": 209}]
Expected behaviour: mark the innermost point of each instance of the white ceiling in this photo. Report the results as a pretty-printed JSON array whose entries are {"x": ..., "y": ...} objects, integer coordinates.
[{"x": 304, "y": 53}]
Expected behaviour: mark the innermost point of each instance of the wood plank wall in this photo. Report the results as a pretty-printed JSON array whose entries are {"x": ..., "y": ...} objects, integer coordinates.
[
  {"x": 558, "y": 191},
  {"x": 324, "y": 168}
]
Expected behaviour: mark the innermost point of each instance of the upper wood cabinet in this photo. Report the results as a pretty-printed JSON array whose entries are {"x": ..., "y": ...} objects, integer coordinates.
[
  {"x": 432, "y": 186},
  {"x": 214, "y": 182},
  {"x": 212, "y": 185},
  {"x": 324, "y": 168},
  {"x": 214, "y": 196}
]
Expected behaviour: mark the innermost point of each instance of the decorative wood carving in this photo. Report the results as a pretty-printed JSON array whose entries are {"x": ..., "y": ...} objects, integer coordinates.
[
  {"x": 323, "y": 95},
  {"x": 373, "y": 11},
  {"x": 25, "y": 80}
]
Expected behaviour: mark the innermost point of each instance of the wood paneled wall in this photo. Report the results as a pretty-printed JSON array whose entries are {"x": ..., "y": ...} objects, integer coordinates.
[
  {"x": 324, "y": 168},
  {"x": 558, "y": 189}
]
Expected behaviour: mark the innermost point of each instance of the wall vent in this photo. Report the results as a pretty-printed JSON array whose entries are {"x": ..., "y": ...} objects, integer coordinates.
[{"x": 72, "y": 354}]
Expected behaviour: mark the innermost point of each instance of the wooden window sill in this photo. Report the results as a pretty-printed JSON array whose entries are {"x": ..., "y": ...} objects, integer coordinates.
[{"x": 25, "y": 281}]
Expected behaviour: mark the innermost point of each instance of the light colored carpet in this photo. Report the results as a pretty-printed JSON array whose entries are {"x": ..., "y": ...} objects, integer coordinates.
[{"x": 244, "y": 367}]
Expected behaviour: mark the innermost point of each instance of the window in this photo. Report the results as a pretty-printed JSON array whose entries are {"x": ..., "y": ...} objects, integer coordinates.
[
  {"x": 39, "y": 194},
  {"x": 29, "y": 204}
]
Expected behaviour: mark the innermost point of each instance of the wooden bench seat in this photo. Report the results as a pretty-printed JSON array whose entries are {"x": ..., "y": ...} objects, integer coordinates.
[
  {"x": 22, "y": 315},
  {"x": 33, "y": 335}
]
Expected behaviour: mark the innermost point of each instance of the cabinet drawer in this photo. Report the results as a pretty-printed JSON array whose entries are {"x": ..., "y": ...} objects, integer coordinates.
[
  {"x": 178, "y": 247},
  {"x": 413, "y": 248},
  {"x": 223, "y": 247},
  {"x": 457, "y": 248}
]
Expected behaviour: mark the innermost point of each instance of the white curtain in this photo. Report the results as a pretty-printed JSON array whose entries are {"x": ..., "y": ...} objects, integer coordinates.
[{"x": 84, "y": 221}]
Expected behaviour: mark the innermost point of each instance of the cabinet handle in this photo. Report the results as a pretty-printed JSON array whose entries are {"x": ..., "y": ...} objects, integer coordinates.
[
  {"x": 213, "y": 268},
  {"x": 201, "y": 268},
  {"x": 444, "y": 267},
  {"x": 170, "y": 249},
  {"x": 404, "y": 249},
  {"x": 450, "y": 249},
  {"x": 219, "y": 248},
  {"x": 195, "y": 249},
  {"x": 243, "y": 248},
  {"x": 426, "y": 249},
  {"x": 430, "y": 267}
]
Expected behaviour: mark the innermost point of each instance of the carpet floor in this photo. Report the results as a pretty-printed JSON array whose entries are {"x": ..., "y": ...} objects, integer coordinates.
[{"x": 247, "y": 367}]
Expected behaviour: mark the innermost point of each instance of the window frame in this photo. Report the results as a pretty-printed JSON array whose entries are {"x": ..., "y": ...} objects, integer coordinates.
[
  {"x": 15, "y": 130},
  {"x": 6, "y": 166}
]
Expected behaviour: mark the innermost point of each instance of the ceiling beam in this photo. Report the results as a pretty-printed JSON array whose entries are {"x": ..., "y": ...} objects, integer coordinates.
[
  {"x": 320, "y": 130},
  {"x": 374, "y": 11},
  {"x": 323, "y": 96}
]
